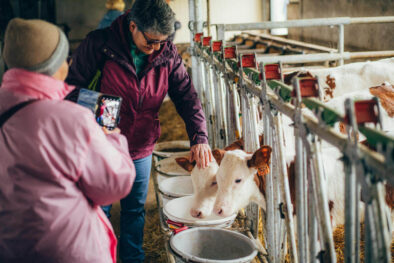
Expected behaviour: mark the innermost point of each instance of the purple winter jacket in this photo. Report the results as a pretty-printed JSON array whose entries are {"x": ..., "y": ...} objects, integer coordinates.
[{"x": 143, "y": 94}]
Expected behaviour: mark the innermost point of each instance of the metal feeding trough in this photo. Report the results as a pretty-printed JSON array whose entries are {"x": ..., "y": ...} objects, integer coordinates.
[
  {"x": 212, "y": 245},
  {"x": 167, "y": 149}
]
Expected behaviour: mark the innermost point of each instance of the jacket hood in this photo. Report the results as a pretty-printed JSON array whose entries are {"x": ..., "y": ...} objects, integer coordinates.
[{"x": 35, "y": 85}]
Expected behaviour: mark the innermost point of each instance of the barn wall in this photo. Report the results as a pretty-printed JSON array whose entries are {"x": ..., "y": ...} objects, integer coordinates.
[
  {"x": 222, "y": 11},
  {"x": 81, "y": 16},
  {"x": 357, "y": 37},
  {"x": 84, "y": 16}
]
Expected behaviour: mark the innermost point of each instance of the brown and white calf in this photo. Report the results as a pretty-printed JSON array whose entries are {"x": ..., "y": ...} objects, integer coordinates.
[
  {"x": 351, "y": 77},
  {"x": 204, "y": 186},
  {"x": 237, "y": 185},
  {"x": 204, "y": 181}
]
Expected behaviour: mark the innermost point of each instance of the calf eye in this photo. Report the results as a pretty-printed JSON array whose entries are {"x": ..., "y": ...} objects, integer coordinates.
[
  {"x": 238, "y": 181},
  {"x": 213, "y": 183}
]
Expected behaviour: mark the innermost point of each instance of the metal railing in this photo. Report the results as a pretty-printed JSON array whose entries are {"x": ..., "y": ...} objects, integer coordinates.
[
  {"x": 229, "y": 80},
  {"x": 340, "y": 22}
]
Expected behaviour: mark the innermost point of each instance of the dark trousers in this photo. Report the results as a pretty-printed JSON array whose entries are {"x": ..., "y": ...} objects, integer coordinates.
[{"x": 132, "y": 214}]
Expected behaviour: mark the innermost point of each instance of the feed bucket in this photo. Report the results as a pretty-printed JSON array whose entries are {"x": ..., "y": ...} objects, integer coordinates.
[
  {"x": 178, "y": 210},
  {"x": 212, "y": 245},
  {"x": 167, "y": 149},
  {"x": 169, "y": 167},
  {"x": 175, "y": 187}
]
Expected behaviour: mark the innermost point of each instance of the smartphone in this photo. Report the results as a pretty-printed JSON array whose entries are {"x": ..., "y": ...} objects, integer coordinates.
[{"x": 106, "y": 108}]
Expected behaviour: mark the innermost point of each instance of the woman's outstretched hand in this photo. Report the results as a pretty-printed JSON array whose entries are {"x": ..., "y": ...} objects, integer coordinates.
[{"x": 201, "y": 153}]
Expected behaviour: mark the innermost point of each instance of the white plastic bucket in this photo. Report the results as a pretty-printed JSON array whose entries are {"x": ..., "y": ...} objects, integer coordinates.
[
  {"x": 169, "y": 167},
  {"x": 178, "y": 210},
  {"x": 168, "y": 149},
  {"x": 212, "y": 245},
  {"x": 175, "y": 187}
]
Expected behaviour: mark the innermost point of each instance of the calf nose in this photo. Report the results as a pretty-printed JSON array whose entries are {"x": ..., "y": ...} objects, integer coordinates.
[
  {"x": 219, "y": 211},
  {"x": 196, "y": 213}
]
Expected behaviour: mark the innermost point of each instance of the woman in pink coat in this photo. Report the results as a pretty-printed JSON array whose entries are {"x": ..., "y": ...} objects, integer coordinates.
[{"x": 57, "y": 166}]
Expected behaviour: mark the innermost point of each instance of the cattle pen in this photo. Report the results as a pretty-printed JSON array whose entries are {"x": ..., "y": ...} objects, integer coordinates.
[{"x": 233, "y": 81}]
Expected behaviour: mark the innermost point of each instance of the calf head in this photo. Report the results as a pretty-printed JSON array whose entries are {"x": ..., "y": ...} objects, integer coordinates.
[
  {"x": 385, "y": 93},
  {"x": 204, "y": 186},
  {"x": 236, "y": 179}
]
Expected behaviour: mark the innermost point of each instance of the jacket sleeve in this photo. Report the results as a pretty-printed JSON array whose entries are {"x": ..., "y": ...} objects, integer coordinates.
[
  {"x": 107, "y": 170},
  {"x": 187, "y": 103},
  {"x": 85, "y": 62}
]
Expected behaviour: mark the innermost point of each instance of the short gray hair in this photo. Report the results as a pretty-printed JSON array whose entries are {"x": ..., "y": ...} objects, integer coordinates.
[{"x": 153, "y": 16}]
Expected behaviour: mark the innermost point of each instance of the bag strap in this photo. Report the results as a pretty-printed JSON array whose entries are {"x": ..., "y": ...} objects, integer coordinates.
[{"x": 9, "y": 113}]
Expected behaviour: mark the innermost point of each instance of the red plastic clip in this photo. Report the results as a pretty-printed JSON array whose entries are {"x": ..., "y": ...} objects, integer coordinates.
[
  {"x": 272, "y": 71},
  {"x": 217, "y": 46},
  {"x": 197, "y": 37},
  {"x": 229, "y": 52},
  {"x": 249, "y": 61},
  {"x": 176, "y": 231},
  {"x": 365, "y": 111},
  {"x": 206, "y": 41},
  {"x": 309, "y": 87},
  {"x": 168, "y": 221}
]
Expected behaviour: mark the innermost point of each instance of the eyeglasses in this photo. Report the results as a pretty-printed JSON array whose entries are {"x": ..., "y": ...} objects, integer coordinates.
[{"x": 150, "y": 41}]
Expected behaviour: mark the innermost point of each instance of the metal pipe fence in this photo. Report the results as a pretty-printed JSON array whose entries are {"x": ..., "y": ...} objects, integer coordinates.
[
  {"x": 340, "y": 22},
  {"x": 364, "y": 168}
]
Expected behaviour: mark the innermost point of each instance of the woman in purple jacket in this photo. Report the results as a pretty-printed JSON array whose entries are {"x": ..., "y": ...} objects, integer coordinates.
[{"x": 138, "y": 63}]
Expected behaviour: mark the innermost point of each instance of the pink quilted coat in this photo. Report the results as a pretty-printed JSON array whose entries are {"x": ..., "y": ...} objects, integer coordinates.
[{"x": 56, "y": 168}]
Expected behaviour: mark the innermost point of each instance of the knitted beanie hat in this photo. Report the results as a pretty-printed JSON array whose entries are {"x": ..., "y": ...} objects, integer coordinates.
[{"x": 34, "y": 45}]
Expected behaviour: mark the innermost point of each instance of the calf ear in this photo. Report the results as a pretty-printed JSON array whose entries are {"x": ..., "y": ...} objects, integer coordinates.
[
  {"x": 218, "y": 155},
  {"x": 185, "y": 163},
  {"x": 261, "y": 157}
]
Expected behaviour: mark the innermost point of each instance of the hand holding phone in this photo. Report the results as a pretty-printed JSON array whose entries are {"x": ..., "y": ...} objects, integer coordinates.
[
  {"x": 106, "y": 108},
  {"x": 106, "y": 131}
]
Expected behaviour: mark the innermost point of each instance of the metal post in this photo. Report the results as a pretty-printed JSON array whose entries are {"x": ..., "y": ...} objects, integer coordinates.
[
  {"x": 219, "y": 123},
  {"x": 231, "y": 112},
  {"x": 300, "y": 182},
  {"x": 252, "y": 210},
  {"x": 209, "y": 104},
  {"x": 312, "y": 222},
  {"x": 198, "y": 15},
  {"x": 224, "y": 99},
  {"x": 270, "y": 221},
  {"x": 192, "y": 49},
  {"x": 221, "y": 33},
  {"x": 321, "y": 202},
  {"x": 286, "y": 190},
  {"x": 351, "y": 204},
  {"x": 341, "y": 42}
]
